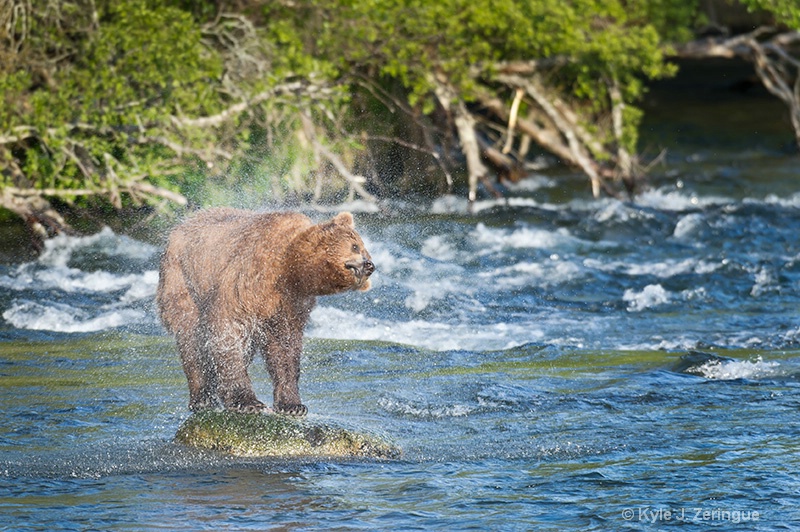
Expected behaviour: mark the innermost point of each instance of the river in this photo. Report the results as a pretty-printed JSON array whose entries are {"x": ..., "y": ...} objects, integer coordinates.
[{"x": 552, "y": 361}]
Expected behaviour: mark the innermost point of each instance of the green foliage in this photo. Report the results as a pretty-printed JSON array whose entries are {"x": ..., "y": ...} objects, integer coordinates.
[
  {"x": 121, "y": 74},
  {"x": 785, "y": 11},
  {"x": 673, "y": 20},
  {"x": 602, "y": 40},
  {"x": 99, "y": 94}
]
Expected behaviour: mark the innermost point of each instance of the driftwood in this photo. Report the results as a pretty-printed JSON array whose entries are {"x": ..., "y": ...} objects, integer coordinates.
[
  {"x": 546, "y": 120},
  {"x": 775, "y": 56},
  {"x": 42, "y": 219},
  {"x": 465, "y": 124}
]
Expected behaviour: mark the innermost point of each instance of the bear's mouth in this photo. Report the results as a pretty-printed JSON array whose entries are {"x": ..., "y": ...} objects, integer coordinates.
[{"x": 361, "y": 269}]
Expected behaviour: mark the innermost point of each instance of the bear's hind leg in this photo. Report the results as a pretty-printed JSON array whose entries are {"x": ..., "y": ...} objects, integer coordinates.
[
  {"x": 200, "y": 374},
  {"x": 181, "y": 317},
  {"x": 229, "y": 348},
  {"x": 235, "y": 388}
]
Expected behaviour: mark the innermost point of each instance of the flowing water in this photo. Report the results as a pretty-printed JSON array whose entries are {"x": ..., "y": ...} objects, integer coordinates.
[{"x": 549, "y": 362}]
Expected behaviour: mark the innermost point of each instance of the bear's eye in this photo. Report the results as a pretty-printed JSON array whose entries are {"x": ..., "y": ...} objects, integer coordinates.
[{"x": 355, "y": 248}]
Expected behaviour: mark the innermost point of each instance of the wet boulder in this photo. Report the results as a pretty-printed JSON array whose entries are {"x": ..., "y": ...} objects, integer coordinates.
[{"x": 257, "y": 435}]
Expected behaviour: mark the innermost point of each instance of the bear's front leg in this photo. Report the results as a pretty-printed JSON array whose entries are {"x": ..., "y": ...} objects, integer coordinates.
[
  {"x": 282, "y": 354},
  {"x": 284, "y": 369}
]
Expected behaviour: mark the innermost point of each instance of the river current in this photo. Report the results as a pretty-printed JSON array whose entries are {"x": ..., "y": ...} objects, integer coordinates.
[{"x": 550, "y": 361}]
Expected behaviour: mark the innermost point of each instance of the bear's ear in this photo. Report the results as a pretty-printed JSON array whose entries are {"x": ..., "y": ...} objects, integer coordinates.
[{"x": 345, "y": 219}]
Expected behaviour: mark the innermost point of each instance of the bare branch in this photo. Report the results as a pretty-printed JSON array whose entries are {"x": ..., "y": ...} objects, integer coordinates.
[
  {"x": 294, "y": 87},
  {"x": 624, "y": 159},
  {"x": 721, "y": 47},
  {"x": 512, "y": 120},
  {"x": 355, "y": 181},
  {"x": 136, "y": 185},
  {"x": 19, "y": 134},
  {"x": 181, "y": 150},
  {"x": 152, "y": 190},
  {"x": 521, "y": 68},
  {"x": 37, "y": 212}
]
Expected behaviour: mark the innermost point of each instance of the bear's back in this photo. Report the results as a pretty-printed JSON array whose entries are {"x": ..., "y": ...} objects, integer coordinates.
[
  {"x": 231, "y": 253},
  {"x": 226, "y": 232},
  {"x": 229, "y": 219}
]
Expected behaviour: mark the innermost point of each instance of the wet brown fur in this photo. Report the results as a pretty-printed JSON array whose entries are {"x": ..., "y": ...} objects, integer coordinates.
[{"x": 233, "y": 283}]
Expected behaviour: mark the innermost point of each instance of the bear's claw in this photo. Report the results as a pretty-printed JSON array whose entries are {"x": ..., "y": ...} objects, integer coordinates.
[
  {"x": 292, "y": 410},
  {"x": 200, "y": 406},
  {"x": 253, "y": 408}
]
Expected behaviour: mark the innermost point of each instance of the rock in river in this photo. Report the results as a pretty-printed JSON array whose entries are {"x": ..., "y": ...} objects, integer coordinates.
[{"x": 279, "y": 436}]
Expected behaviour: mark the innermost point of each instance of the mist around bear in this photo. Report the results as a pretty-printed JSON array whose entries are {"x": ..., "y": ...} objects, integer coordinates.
[{"x": 235, "y": 283}]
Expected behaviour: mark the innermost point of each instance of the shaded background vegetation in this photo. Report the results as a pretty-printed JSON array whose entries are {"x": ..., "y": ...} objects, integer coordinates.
[{"x": 125, "y": 103}]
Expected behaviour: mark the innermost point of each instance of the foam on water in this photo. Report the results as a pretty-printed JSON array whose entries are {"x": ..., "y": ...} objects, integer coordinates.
[
  {"x": 651, "y": 296},
  {"x": 662, "y": 199},
  {"x": 765, "y": 280},
  {"x": 58, "y": 317},
  {"x": 687, "y": 225},
  {"x": 665, "y": 199},
  {"x": 424, "y": 277},
  {"x": 440, "y": 248},
  {"x": 547, "y": 273},
  {"x": 668, "y": 199},
  {"x": 792, "y": 201},
  {"x": 70, "y": 280},
  {"x": 59, "y": 250},
  {"x": 71, "y": 287},
  {"x": 665, "y": 268},
  {"x": 335, "y": 323},
  {"x": 423, "y": 409},
  {"x": 738, "y": 369},
  {"x": 491, "y": 240},
  {"x": 600, "y": 273}
]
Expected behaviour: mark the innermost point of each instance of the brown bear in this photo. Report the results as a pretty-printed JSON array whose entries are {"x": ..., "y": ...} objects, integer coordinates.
[{"x": 235, "y": 282}]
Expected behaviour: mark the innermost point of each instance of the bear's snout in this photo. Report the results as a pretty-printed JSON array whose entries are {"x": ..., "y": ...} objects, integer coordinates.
[
  {"x": 361, "y": 268},
  {"x": 369, "y": 268}
]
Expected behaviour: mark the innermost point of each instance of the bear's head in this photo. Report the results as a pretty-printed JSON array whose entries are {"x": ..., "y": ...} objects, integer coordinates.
[{"x": 330, "y": 257}]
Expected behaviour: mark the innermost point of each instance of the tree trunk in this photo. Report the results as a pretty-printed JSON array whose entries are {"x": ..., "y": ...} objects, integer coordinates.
[
  {"x": 625, "y": 166},
  {"x": 465, "y": 127}
]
